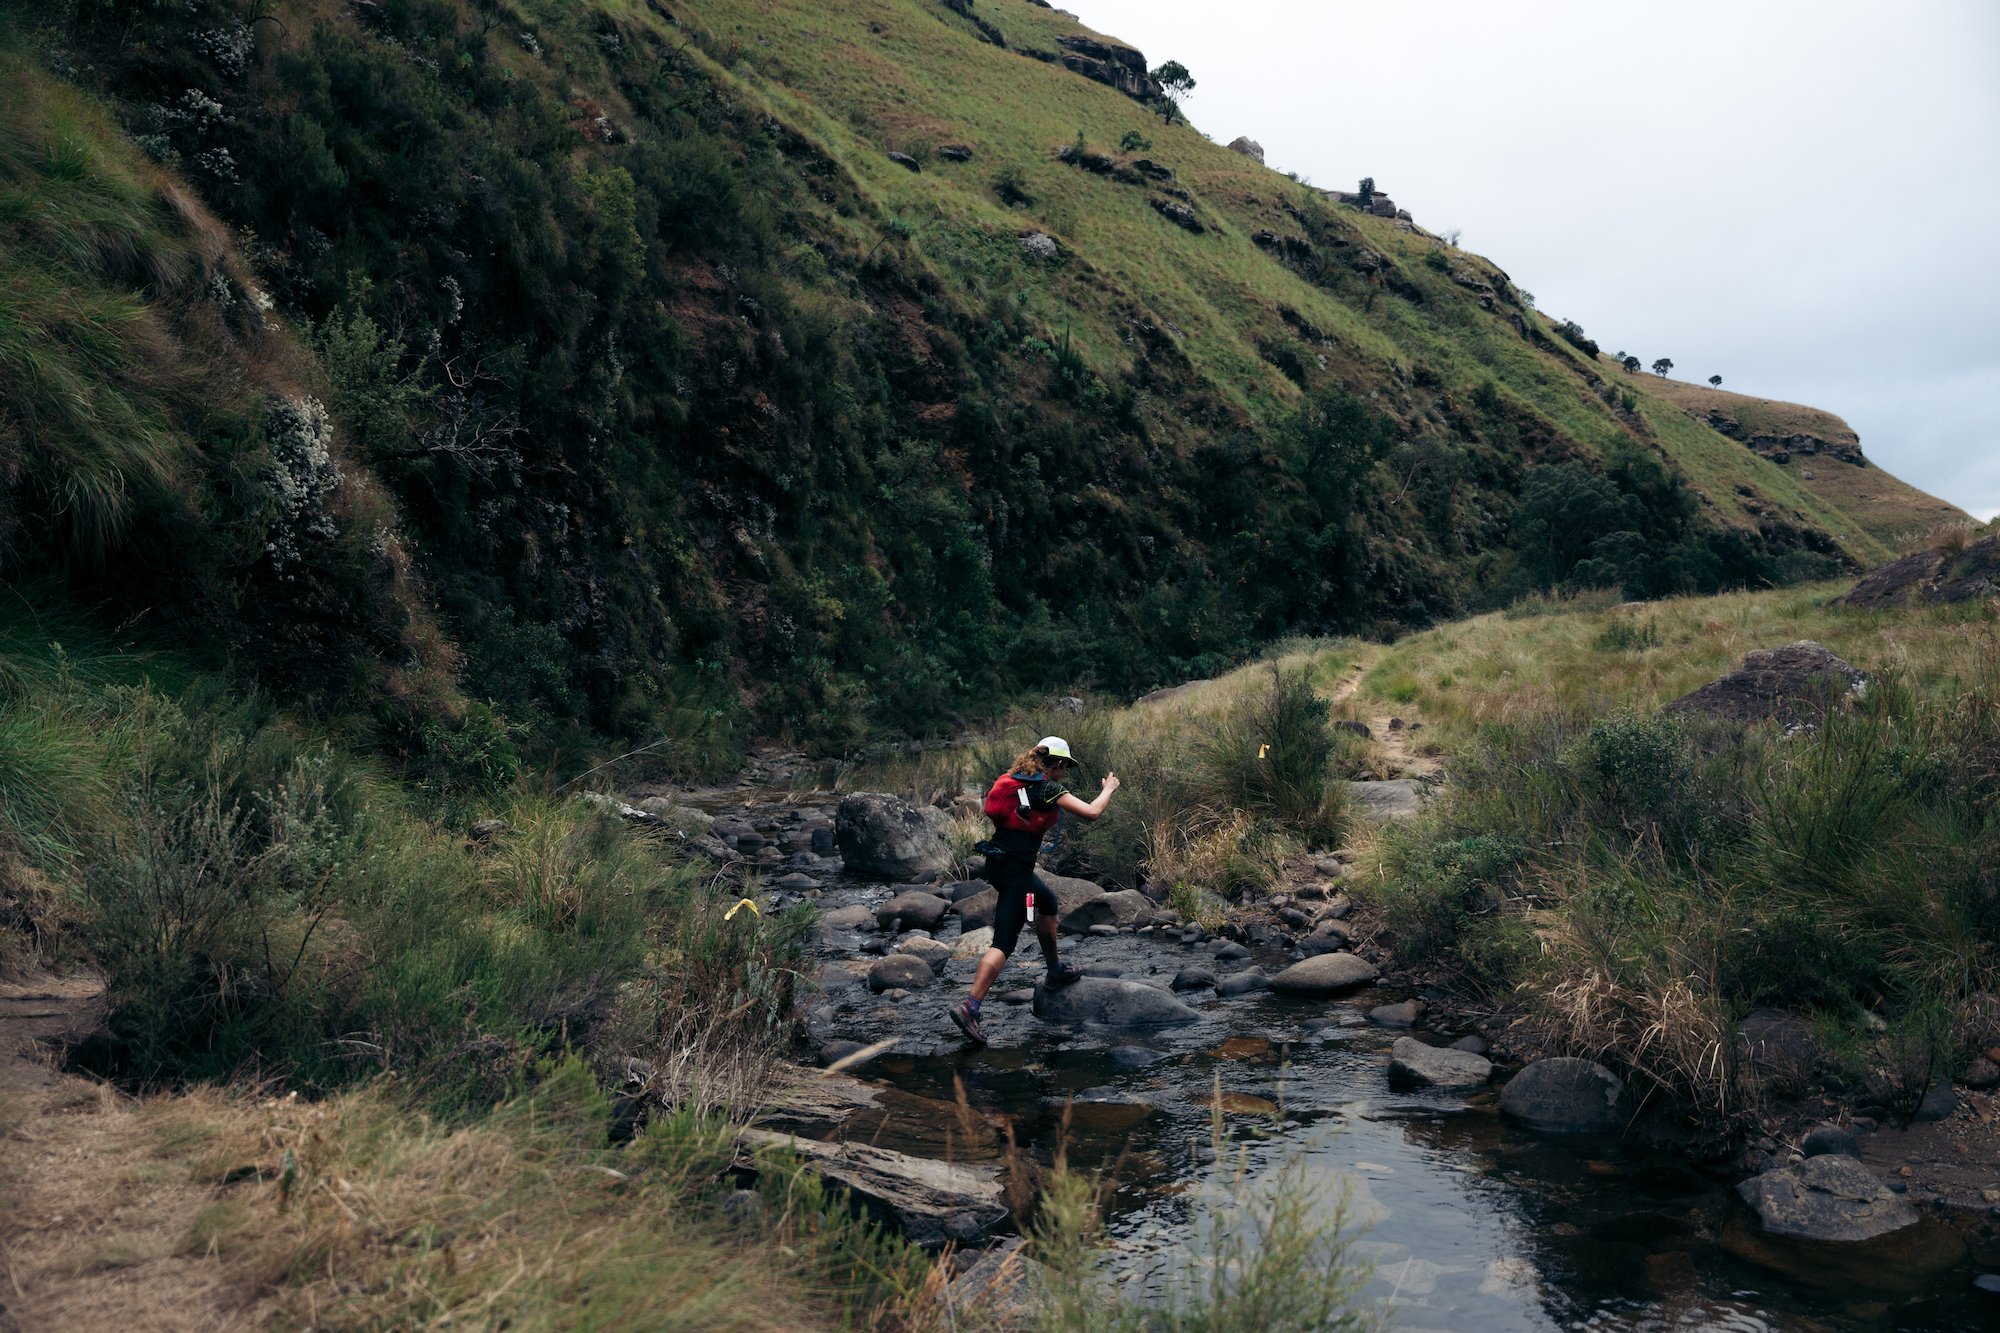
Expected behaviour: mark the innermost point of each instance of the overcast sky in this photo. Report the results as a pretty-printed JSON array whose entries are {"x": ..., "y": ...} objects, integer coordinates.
[{"x": 1798, "y": 195}]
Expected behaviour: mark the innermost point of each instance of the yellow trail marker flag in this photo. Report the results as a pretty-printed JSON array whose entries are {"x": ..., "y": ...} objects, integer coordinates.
[
  {"x": 1263, "y": 750},
  {"x": 741, "y": 903}
]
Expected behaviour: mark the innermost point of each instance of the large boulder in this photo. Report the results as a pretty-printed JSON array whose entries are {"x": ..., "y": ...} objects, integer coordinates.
[
  {"x": 887, "y": 837},
  {"x": 1085, "y": 905},
  {"x": 1565, "y": 1095},
  {"x": 1793, "y": 684},
  {"x": 972, "y": 943},
  {"x": 1327, "y": 974},
  {"x": 1248, "y": 147},
  {"x": 853, "y": 917},
  {"x": 913, "y": 909},
  {"x": 1826, "y": 1198},
  {"x": 934, "y": 1202},
  {"x": 976, "y": 912},
  {"x": 1412, "y": 1064},
  {"x": 904, "y": 970},
  {"x": 1126, "y": 1004}
]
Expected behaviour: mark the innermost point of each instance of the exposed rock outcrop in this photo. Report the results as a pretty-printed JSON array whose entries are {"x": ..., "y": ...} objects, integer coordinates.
[
  {"x": 1117, "y": 66},
  {"x": 1248, "y": 147},
  {"x": 1930, "y": 577},
  {"x": 1782, "y": 448},
  {"x": 1412, "y": 1064},
  {"x": 1793, "y": 685}
]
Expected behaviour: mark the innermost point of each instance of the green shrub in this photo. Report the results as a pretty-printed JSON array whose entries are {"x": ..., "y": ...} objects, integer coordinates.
[{"x": 1628, "y": 636}]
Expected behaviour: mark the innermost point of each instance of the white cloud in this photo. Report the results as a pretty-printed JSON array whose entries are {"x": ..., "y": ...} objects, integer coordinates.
[{"x": 1795, "y": 194}]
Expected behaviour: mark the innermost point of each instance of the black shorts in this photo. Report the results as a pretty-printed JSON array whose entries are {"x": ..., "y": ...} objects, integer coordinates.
[{"x": 1015, "y": 878}]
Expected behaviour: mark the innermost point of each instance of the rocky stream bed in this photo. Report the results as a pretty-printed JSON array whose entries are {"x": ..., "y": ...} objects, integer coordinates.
[{"x": 1488, "y": 1197}]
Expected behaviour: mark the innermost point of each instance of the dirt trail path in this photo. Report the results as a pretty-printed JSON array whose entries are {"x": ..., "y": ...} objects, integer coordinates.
[
  {"x": 1398, "y": 755},
  {"x": 95, "y": 1223}
]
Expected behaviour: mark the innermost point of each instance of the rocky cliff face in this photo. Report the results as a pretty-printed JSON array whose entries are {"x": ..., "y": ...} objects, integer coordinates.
[
  {"x": 1783, "y": 449},
  {"x": 1115, "y": 66}
]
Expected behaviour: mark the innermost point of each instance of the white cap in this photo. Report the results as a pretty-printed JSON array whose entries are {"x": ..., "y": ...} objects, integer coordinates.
[{"x": 1057, "y": 747}]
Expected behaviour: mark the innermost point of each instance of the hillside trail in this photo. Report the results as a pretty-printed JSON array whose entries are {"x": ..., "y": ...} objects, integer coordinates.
[
  {"x": 94, "y": 1221},
  {"x": 1396, "y": 754}
]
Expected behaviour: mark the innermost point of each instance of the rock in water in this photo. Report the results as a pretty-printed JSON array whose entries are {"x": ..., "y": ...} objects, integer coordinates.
[
  {"x": 855, "y": 917},
  {"x": 933, "y": 1201},
  {"x": 1242, "y": 983},
  {"x": 1792, "y": 684},
  {"x": 1193, "y": 978},
  {"x": 900, "y": 970},
  {"x": 886, "y": 836},
  {"x": 1401, "y": 1015},
  {"x": 912, "y": 910},
  {"x": 1111, "y": 1002},
  {"x": 1826, "y": 1198},
  {"x": 934, "y": 953},
  {"x": 1564, "y": 1095},
  {"x": 1415, "y": 1065},
  {"x": 1327, "y": 974}
]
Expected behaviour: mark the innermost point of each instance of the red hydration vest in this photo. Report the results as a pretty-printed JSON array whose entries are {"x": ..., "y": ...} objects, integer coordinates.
[{"x": 1007, "y": 805}]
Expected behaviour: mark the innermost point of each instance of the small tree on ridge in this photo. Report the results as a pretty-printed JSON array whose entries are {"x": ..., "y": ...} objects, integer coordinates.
[{"x": 1663, "y": 365}]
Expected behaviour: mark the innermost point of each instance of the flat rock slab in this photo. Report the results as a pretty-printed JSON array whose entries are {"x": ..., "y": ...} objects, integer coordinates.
[
  {"x": 1387, "y": 802},
  {"x": 934, "y": 1202},
  {"x": 1935, "y": 575},
  {"x": 1244, "y": 982},
  {"x": 1826, "y": 1198},
  {"x": 1565, "y": 1095},
  {"x": 998, "y": 1293},
  {"x": 935, "y": 953},
  {"x": 1111, "y": 1002},
  {"x": 855, "y": 917},
  {"x": 1328, "y": 974},
  {"x": 972, "y": 943},
  {"x": 1412, "y": 1064}
]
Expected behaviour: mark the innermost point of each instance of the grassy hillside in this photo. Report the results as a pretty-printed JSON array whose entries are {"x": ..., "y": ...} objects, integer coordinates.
[{"x": 696, "y": 412}]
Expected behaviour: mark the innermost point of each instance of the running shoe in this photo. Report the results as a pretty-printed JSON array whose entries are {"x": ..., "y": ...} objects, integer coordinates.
[
  {"x": 1062, "y": 974},
  {"x": 968, "y": 1023}
]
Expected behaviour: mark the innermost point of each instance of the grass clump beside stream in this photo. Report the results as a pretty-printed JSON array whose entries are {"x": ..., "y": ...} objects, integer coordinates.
[{"x": 1640, "y": 882}]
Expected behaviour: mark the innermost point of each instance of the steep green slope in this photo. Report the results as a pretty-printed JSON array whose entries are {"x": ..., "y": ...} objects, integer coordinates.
[{"x": 698, "y": 409}]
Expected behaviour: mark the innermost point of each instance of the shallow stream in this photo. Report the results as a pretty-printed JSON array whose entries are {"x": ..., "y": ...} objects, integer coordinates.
[{"x": 1471, "y": 1224}]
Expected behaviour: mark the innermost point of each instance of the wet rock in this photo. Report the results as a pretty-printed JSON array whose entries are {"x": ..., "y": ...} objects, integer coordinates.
[
  {"x": 1132, "y": 1057},
  {"x": 912, "y": 910},
  {"x": 972, "y": 943},
  {"x": 998, "y": 1292},
  {"x": 1084, "y": 904},
  {"x": 1338, "y": 907},
  {"x": 886, "y": 836},
  {"x": 1193, "y": 978},
  {"x": 1102, "y": 970},
  {"x": 1020, "y": 995},
  {"x": 1111, "y": 1002},
  {"x": 1231, "y": 952},
  {"x": 1412, "y": 1064},
  {"x": 1243, "y": 983},
  {"x": 1327, "y": 974},
  {"x": 1829, "y": 1140},
  {"x": 1825, "y": 1198},
  {"x": 900, "y": 970},
  {"x": 934, "y": 1202},
  {"x": 961, "y": 889},
  {"x": 1392, "y": 801},
  {"x": 1103, "y": 930},
  {"x": 934, "y": 953},
  {"x": 824, "y": 842},
  {"x": 1565, "y": 1095},
  {"x": 1332, "y": 928},
  {"x": 1475, "y": 1044},
  {"x": 977, "y": 911},
  {"x": 1792, "y": 685},
  {"x": 1401, "y": 1015},
  {"x": 855, "y": 917},
  {"x": 797, "y": 882},
  {"x": 833, "y": 1052},
  {"x": 1294, "y": 918}
]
